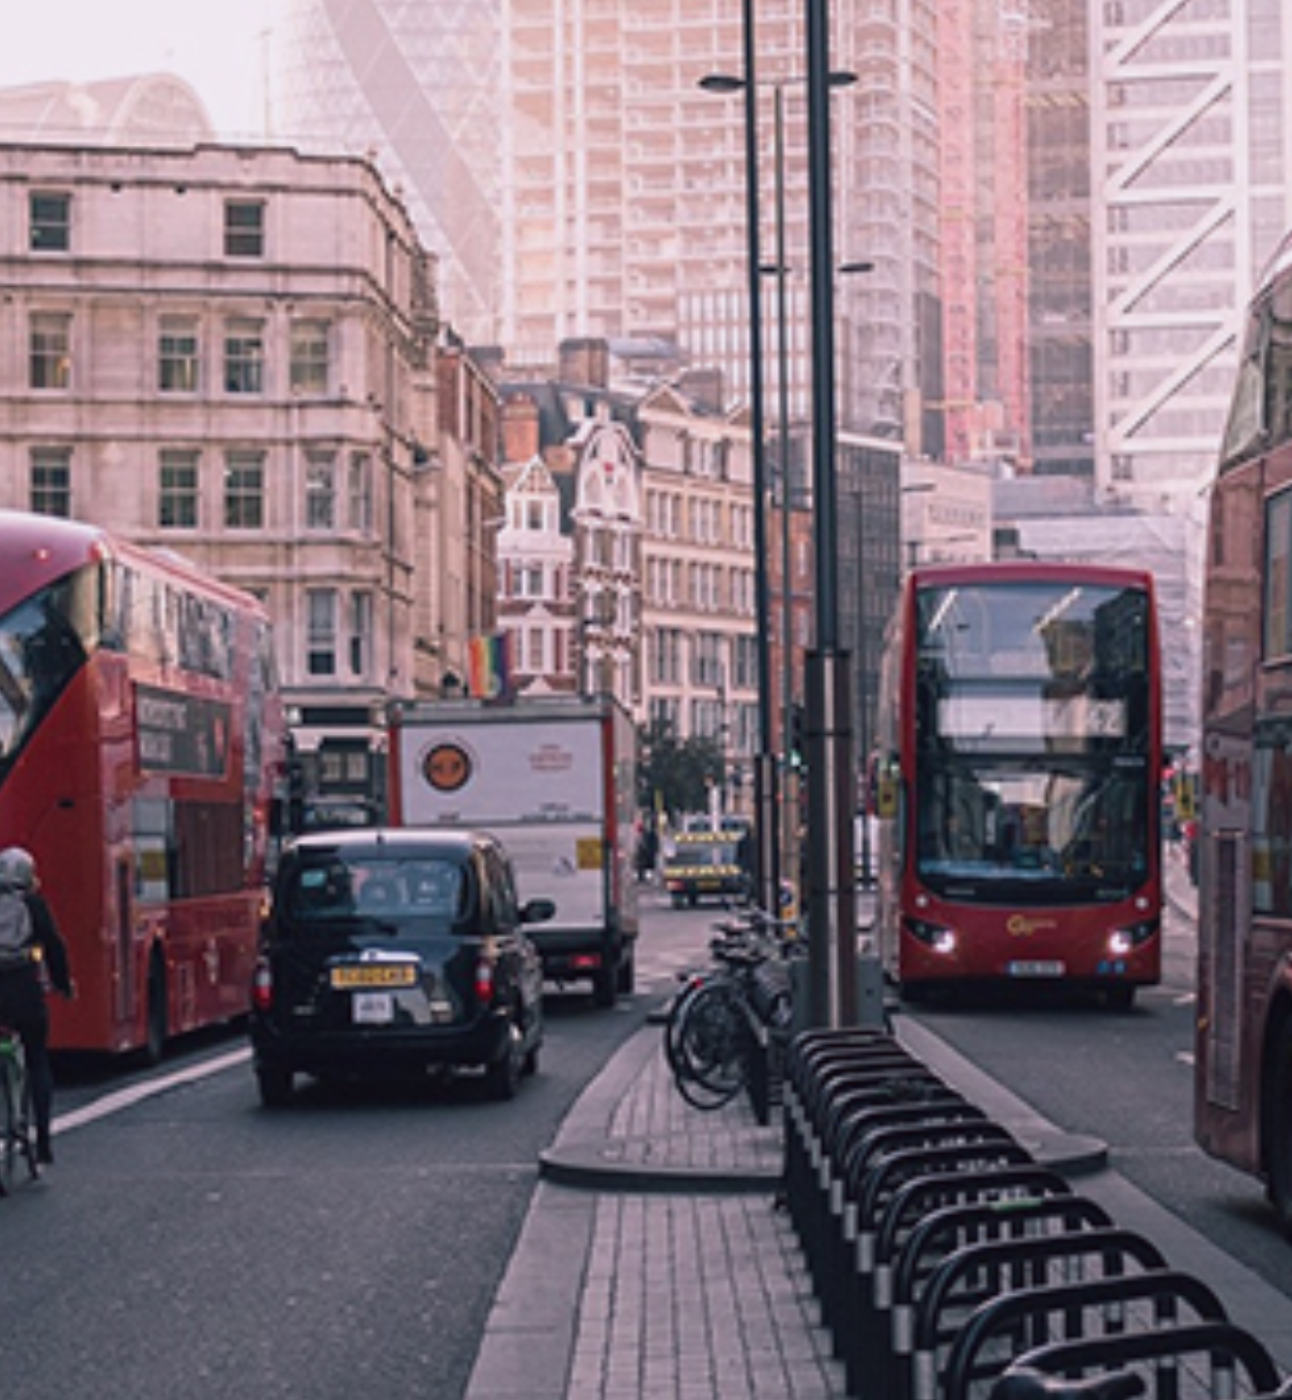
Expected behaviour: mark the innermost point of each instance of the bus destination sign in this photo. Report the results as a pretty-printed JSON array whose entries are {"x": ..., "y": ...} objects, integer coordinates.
[{"x": 181, "y": 733}]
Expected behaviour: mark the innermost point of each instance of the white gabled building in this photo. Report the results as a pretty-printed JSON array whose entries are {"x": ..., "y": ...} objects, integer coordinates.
[{"x": 536, "y": 582}]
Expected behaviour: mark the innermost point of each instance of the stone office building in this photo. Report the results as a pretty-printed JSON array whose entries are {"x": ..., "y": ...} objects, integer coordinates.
[{"x": 234, "y": 353}]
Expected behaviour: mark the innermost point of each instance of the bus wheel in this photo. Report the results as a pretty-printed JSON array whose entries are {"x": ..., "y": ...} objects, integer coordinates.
[
  {"x": 1279, "y": 1152},
  {"x": 155, "y": 1042}
]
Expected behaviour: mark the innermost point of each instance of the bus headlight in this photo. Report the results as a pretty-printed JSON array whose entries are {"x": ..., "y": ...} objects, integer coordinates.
[
  {"x": 1123, "y": 940},
  {"x": 937, "y": 936}
]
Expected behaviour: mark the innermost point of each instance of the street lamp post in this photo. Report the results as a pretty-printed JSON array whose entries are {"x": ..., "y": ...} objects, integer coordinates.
[
  {"x": 863, "y": 678},
  {"x": 832, "y": 907},
  {"x": 767, "y": 863},
  {"x": 789, "y": 791},
  {"x": 726, "y": 83}
]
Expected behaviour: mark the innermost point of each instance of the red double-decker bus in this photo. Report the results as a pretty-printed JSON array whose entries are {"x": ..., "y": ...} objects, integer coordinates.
[
  {"x": 1243, "y": 1059},
  {"x": 141, "y": 744},
  {"x": 1019, "y": 753}
]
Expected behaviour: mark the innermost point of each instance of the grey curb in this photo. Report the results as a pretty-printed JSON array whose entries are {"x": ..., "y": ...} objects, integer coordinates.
[{"x": 583, "y": 1156}]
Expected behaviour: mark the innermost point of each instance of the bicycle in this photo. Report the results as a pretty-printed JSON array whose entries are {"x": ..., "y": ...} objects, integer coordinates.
[
  {"x": 710, "y": 1037},
  {"x": 17, "y": 1120}
]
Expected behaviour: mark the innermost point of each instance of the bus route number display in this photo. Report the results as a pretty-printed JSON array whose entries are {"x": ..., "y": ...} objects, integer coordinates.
[{"x": 996, "y": 717}]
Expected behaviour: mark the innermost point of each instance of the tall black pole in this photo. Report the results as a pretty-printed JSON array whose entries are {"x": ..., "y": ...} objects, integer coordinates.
[
  {"x": 832, "y": 903},
  {"x": 789, "y": 783},
  {"x": 768, "y": 873}
]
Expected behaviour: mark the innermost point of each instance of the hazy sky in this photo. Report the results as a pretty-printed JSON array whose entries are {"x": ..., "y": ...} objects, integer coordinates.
[{"x": 213, "y": 44}]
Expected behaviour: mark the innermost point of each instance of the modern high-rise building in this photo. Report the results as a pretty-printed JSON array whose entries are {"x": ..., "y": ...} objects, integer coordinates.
[
  {"x": 1058, "y": 239},
  {"x": 418, "y": 90},
  {"x": 1191, "y": 148},
  {"x": 576, "y": 180}
]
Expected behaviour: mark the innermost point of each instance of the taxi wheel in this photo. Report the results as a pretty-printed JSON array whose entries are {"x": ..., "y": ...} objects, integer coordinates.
[
  {"x": 503, "y": 1076},
  {"x": 275, "y": 1084}
]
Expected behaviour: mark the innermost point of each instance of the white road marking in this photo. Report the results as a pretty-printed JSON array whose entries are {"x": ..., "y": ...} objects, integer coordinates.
[{"x": 137, "y": 1093}]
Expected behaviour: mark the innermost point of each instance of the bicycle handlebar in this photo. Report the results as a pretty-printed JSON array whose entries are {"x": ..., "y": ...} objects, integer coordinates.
[{"x": 1034, "y": 1385}]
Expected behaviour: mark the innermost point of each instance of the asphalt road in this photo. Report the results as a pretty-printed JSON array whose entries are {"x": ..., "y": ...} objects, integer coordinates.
[{"x": 192, "y": 1244}]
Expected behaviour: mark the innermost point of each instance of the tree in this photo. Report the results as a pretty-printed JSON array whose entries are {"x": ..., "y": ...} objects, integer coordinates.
[{"x": 681, "y": 772}]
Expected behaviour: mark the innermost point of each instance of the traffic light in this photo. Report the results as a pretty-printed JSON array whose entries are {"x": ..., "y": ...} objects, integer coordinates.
[
  {"x": 295, "y": 793},
  {"x": 796, "y": 736}
]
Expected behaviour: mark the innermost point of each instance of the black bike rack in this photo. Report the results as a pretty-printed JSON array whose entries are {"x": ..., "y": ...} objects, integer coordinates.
[
  {"x": 946, "y": 1258},
  {"x": 770, "y": 1010}
]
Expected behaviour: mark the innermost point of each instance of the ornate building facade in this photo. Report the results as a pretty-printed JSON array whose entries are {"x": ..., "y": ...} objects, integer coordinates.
[{"x": 236, "y": 353}]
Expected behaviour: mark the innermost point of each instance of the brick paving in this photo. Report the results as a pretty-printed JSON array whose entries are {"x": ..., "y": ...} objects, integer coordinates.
[{"x": 680, "y": 1278}]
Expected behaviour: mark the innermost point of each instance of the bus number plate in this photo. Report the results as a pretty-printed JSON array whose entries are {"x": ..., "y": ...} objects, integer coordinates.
[{"x": 1025, "y": 968}]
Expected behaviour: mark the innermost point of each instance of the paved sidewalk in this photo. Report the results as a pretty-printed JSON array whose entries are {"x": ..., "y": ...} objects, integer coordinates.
[
  {"x": 654, "y": 1262},
  {"x": 654, "y": 1265}
]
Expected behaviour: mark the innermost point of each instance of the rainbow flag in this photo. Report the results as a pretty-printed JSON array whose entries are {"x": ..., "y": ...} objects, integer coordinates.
[{"x": 489, "y": 669}]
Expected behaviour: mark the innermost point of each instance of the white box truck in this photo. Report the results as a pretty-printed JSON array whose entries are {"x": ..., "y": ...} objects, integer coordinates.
[{"x": 554, "y": 778}]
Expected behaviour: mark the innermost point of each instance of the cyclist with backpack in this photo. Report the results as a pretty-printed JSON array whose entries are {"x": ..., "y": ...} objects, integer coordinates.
[{"x": 32, "y": 955}]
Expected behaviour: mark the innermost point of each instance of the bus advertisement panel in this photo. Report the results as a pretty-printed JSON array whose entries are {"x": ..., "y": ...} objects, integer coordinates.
[
  {"x": 1243, "y": 1052},
  {"x": 1019, "y": 748},
  {"x": 141, "y": 747}
]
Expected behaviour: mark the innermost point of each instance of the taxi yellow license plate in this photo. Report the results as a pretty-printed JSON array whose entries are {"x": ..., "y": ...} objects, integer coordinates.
[{"x": 375, "y": 975}]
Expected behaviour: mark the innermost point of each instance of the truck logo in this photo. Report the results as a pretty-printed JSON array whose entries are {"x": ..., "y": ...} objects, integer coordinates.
[{"x": 447, "y": 767}]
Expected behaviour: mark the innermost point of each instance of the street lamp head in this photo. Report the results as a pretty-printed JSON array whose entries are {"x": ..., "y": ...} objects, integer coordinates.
[
  {"x": 730, "y": 82},
  {"x": 859, "y": 265},
  {"x": 722, "y": 82}
]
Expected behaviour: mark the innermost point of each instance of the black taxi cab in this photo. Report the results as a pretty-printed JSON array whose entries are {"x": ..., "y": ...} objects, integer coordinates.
[{"x": 390, "y": 950}]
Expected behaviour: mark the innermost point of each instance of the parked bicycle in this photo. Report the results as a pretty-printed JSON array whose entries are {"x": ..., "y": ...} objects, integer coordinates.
[
  {"x": 719, "y": 1021},
  {"x": 17, "y": 1120}
]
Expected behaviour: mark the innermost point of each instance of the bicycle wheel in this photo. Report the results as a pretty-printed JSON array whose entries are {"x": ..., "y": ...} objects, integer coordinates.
[
  {"x": 673, "y": 1025},
  {"x": 10, "y": 1140},
  {"x": 698, "y": 1096},
  {"x": 27, "y": 1127},
  {"x": 680, "y": 1062},
  {"x": 712, "y": 1043}
]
